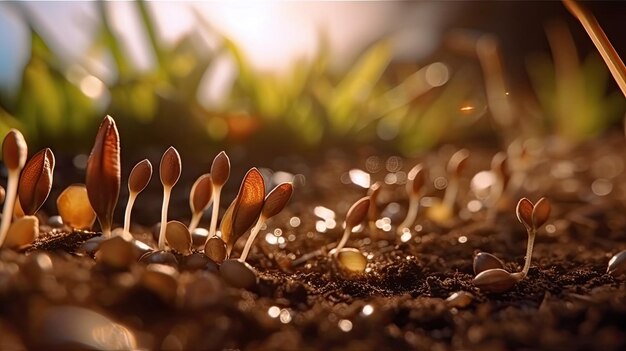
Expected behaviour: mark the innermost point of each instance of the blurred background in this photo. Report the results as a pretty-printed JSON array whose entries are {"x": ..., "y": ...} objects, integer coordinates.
[{"x": 277, "y": 77}]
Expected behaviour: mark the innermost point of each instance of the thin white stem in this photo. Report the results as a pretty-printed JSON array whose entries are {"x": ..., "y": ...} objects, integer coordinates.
[
  {"x": 129, "y": 208},
  {"x": 411, "y": 213},
  {"x": 450, "y": 195},
  {"x": 344, "y": 240},
  {"x": 9, "y": 204},
  {"x": 529, "y": 251},
  {"x": 216, "y": 209},
  {"x": 166, "y": 200},
  {"x": 250, "y": 241},
  {"x": 195, "y": 220},
  {"x": 494, "y": 196}
]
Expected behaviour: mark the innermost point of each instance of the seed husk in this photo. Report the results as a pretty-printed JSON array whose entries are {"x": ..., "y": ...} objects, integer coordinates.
[
  {"x": 22, "y": 232},
  {"x": 215, "y": 249},
  {"x": 416, "y": 180},
  {"x": 238, "y": 274},
  {"x": 103, "y": 178},
  {"x": 617, "y": 264},
  {"x": 74, "y": 207},
  {"x": 159, "y": 257},
  {"x": 178, "y": 237},
  {"x": 484, "y": 261},
  {"x": 36, "y": 181},
  {"x": 495, "y": 280}
]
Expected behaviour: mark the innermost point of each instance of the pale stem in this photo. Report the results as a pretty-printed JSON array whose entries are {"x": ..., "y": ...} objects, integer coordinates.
[
  {"x": 195, "y": 219},
  {"x": 529, "y": 251},
  {"x": 166, "y": 200},
  {"x": 494, "y": 197},
  {"x": 344, "y": 240},
  {"x": 9, "y": 204},
  {"x": 129, "y": 208},
  {"x": 216, "y": 209},
  {"x": 450, "y": 194},
  {"x": 411, "y": 214},
  {"x": 250, "y": 241}
]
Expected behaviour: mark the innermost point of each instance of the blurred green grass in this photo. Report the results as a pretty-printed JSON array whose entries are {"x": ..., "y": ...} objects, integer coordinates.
[{"x": 374, "y": 102}]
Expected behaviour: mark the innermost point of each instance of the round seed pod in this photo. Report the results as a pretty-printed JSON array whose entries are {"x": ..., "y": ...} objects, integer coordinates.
[
  {"x": 200, "y": 290},
  {"x": 215, "y": 249},
  {"x": 22, "y": 232},
  {"x": 238, "y": 274},
  {"x": 140, "y": 176},
  {"x": 201, "y": 193},
  {"x": 36, "y": 181},
  {"x": 74, "y": 207}
]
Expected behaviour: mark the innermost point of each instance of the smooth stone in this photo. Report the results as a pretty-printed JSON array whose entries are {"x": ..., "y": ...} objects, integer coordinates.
[
  {"x": 117, "y": 253},
  {"x": 55, "y": 222},
  {"x": 159, "y": 257},
  {"x": 198, "y": 261},
  {"x": 162, "y": 280},
  {"x": 484, "y": 261},
  {"x": 238, "y": 274}
]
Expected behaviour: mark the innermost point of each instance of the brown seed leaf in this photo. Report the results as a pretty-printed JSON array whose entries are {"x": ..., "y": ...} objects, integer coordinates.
[
  {"x": 416, "y": 180},
  {"x": 541, "y": 212},
  {"x": 524, "y": 212},
  {"x": 617, "y": 264},
  {"x": 248, "y": 206},
  {"x": 226, "y": 225},
  {"x": 276, "y": 200},
  {"x": 170, "y": 167},
  {"x": 358, "y": 211},
  {"x": 178, "y": 237},
  {"x": 36, "y": 181},
  {"x": 14, "y": 150},
  {"x": 220, "y": 169},
  {"x": 3, "y": 194},
  {"x": 215, "y": 249},
  {"x": 140, "y": 176},
  {"x": 201, "y": 193},
  {"x": 457, "y": 162},
  {"x": 103, "y": 179}
]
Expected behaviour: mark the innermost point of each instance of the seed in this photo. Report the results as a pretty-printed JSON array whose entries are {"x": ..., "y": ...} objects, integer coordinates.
[
  {"x": 238, "y": 274},
  {"x": 36, "y": 181},
  {"x": 617, "y": 264},
  {"x": 352, "y": 260},
  {"x": 22, "y": 232},
  {"x": 215, "y": 249},
  {"x": 117, "y": 253},
  {"x": 358, "y": 212},
  {"x": 198, "y": 261},
  {"x": 161, "y": 280},
  {"x": 178, "y": 237},
  {"x": 484, "y": 261},
  {"x": 220, "y": 169},
  {"x": 495, "y": 280},
  {"x": 74, "y": 207}
]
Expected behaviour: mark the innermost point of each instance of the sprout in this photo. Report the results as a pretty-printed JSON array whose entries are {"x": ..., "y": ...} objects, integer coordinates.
[
  {"x": 497, "y": 280},
  {"x": 484, "y": 261},
  {"x": 169, "y": 170},
  {"x": 220, "y": 172},
  {"x": 14, "y": 152},
  {"x": 104, "y": 177},
  {"x": 200, "y": 199},
  {"x": 617, "y": 264},
  {"x": 36, "y": 181},
  {"x": 348, "y": 257},
  {"x": 414, "y": 188},
  {"x": 441, "y": 212},
  {"x": 373, "y": 213},
  {"x": 499, "y": 167},
  {"x": 22, "y": 232},
  {"x": 275, "y": 201},
  {"x": 74, "y": 207},
  {"x": 137, "y": 181},
  {"x": 244, "y": 210},
  {"x": 178, "y": 237}
]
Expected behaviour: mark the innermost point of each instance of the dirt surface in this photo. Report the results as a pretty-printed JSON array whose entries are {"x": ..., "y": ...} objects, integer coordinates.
[{"x": 567, "y": 301}]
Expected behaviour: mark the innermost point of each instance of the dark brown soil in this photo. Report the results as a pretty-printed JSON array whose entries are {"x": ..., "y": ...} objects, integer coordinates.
[{"x": 567, "y": 302}]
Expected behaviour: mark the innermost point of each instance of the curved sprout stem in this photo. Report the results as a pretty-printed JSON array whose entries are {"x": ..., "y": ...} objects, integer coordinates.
[
  {"x": 216, "y": 209},
  {"x": 411, "y": 214},
  {"x": 195, "y": 220},
  {"x": 166, "y": 200},
  {"x": 129, "y": 208},
  {"x": 9, "y": 203},
  {"x": 529, "y": 251},
  {"x": 343, "y": 241},
  {"x": 494, "y": 196},
  {"x": 250, "y": 241},
  {"x": 451, "y": 191}
]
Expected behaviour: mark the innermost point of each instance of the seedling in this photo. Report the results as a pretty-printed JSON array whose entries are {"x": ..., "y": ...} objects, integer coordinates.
[
  {"x": 348, "y": 258},
  {"x": 442, "y": 212},
  {"x": 36, "y": 181},
  {"x": 497, "y": 280},
  {"x": 104, "y": 177},
  {"x": 244, "y": 210},
  {"x": 414, "y": 188},
  {"x": 75, "y": 208},
  {"x": 499, "y": 167},
  {"x": 220, "y": 172},
  {"x": 14, "y": 152},
  {"x": 200, "y": 199},
  {"x": 274, "y": 203},
  {"x": 373, "y": 213},
  {"x": 169, "y": 171},
  {"x": 178, "y": 237},
  {"x": 617, "y": 264},
  {"x": 138, "y": 179}
]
